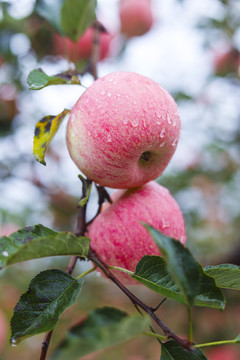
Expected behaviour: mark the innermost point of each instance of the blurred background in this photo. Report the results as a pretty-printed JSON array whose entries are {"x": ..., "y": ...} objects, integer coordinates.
[{"x": 193, "y": 50}]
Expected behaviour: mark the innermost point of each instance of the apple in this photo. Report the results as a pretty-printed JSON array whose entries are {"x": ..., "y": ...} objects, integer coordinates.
[
  {"x": 226, "y": 62},
  {"x": 118, "y": 235},
  {"x": 3, "y": 329},
  {"x": 7, "y": 229},
  {"x": 65, "y": 46},
  {"x": 123, "y": 130},
  {"x": 223, "y": 353},
  {"x": 136, "y": 17}
]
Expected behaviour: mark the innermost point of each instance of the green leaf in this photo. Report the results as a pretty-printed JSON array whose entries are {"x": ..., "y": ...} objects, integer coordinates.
[
  {"x": 77, "y": 16},
  {"x": 37, "y": 79},
  {"x": 103, "y": 328},
  {"x": 39, "y": 241},
  {"x": 87, "y": 187},
  {"x": 45, "y": 130},
  {"x": 38, "y": 310},
  {"x": 225, "y": 275},
  {"x": 152, "y": 272},
  {"x": 171, "y": 350},
  {"x": 182, "y": 266},
  {"x": 51, "y": 11}
]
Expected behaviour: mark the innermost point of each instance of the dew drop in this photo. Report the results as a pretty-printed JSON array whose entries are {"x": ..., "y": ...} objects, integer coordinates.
[
  {"x": 168, "y": 119},
  {"x": 158, "y": 115},
  {"x": 125, "y": 121},
  {"x": 14, "y": 342},
  {"x": 118, "y": 95},
  {"x": 5, "y": 253},
  {"x": 109, "y": 94},
  {"x": 174, "y": 143},
  {"x": 134, "y": 102},
  {"x": 89, "y": 133},
  {"x": 109, "y": 138},
  {"x": 103, "y": 92},
  {"x": 174, "y": 123},
  {"x": 134, "y": 122},
  {"x": 162, "y": 133}
]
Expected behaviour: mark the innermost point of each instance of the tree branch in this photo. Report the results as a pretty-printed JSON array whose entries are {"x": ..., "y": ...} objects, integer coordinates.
[{"x": 137, "y": 302}]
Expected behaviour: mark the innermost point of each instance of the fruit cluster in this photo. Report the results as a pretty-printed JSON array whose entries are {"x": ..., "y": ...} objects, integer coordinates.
[{"x": 122, "y": 133}]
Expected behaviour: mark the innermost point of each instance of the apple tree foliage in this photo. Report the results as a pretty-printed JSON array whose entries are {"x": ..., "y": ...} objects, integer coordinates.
[{"x": 176, "y": 276}]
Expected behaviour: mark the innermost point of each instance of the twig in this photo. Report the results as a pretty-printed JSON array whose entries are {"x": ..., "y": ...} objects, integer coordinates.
[
  {"x": 102, "y": 196},
  {"x": 137, "y": 302},
  {"x": 81, "y": 228},
  {"x": 95, "y": 49}
]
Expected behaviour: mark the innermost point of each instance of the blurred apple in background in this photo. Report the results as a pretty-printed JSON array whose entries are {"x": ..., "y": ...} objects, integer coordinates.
[
  {"x": 3, "y": 329},
  {"x": 8, "y": 108},
  {"x": 226, "y": 62},
  {"x": 66, "y": 47},
  {"x": 136, "y": 17},
  {"x": 223, "y": 353}
]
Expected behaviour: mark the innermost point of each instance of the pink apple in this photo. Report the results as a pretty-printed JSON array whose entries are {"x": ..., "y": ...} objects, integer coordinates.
[
  {"x": 123, "y": 130},
  {"x": 66, "y": 47},
  {"x": 223, "y": 353},
  {"x": 7, "y": 229},
  {"x": 118, "y": 235},
  {"x": 3, "y": 329},
  {"x": 136, "y": 17}
]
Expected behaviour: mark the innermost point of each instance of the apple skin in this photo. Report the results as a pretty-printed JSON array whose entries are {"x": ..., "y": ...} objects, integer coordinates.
[
  {"x": 118, "y": 235},
  {"x": 123, "y": 130},
  {"x": 223, "y": 353},
  {"x": 84, "y": 45},
  {"x": 136, "y": 17}
]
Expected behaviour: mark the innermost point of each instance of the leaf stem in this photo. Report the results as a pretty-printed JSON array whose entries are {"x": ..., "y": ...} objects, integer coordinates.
[
  {"x": 190, "y": 324},
  {"x": 216, "y": 343},
  {"x": 121, "y": 269},
  {"x": 157, "y": 336},
  {"x": 86, "y": 273}
]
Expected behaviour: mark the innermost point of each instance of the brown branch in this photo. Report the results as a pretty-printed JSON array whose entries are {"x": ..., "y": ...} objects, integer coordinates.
[
  {"x": 81, "y": 229},
  {"x": 137, "y": 302},
  {"x": 102, "y": 196}
]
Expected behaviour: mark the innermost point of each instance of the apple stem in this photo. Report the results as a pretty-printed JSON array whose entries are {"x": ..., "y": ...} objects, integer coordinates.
[
  {"x": 137, "y": 302},
  {"x": 102, "y": 196}
]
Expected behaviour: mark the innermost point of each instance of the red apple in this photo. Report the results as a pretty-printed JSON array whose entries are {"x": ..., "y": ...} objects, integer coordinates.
[
  {"x": 65, "y": 46},
  {"x": 123, "y": 130},
  {"x": 226, "y": 62},
  {"x": 118, "y": 235},
  {"x": 136, "y": 17},
  {"x": 223, "y": 353}
]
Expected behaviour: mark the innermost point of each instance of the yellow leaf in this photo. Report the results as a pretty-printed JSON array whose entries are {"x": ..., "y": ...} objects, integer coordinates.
[{"x": 45, "y": 130}]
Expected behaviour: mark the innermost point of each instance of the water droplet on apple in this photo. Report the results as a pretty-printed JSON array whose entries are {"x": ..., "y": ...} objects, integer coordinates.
[
  {"x": 109, "y": 138},
  {"x": 103, "y": 92},
  {"x": 5, "y": 253},
  {"x": 134, "y": 122},
  {"x": 174, "y": 143},
  {"x": 163, "y": 133},
  {"x": 168, "y": 119},
  {"x": 158, "y": 115},
  {"x": 134, "y": 102},
  {"x": 89, "y": 133},
  {"x": 125, "y": 121},
  {"x": 174, "y": 123},
  {"x": 109, "y": 94}
]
